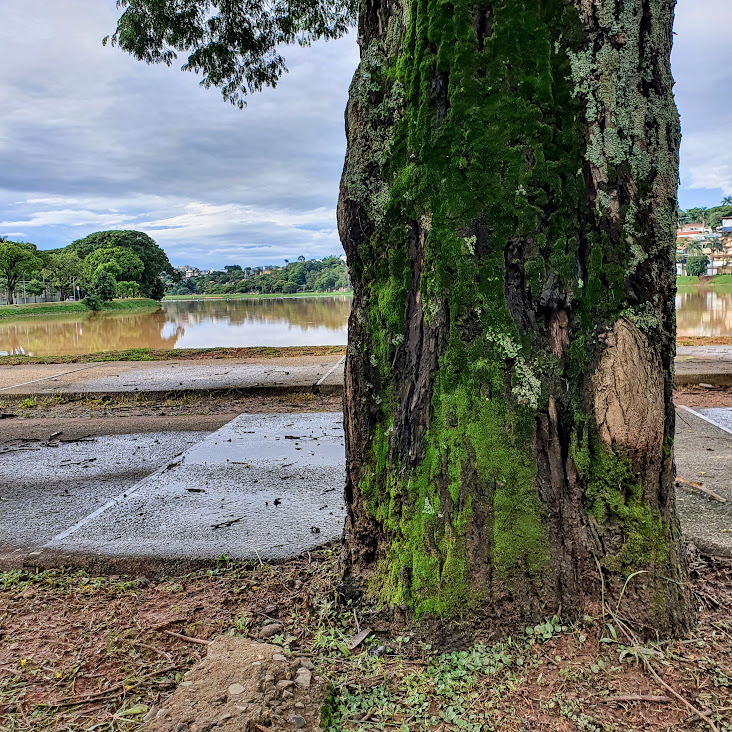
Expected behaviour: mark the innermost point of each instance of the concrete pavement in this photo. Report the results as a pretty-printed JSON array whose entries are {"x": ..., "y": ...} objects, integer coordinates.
[
  {"x": 163, "y": 376},
  {"x": 703, "y": 448},
  {"x": 46, "y": 486},
  {"x": 704, "y": 365},
  {"x": 261, "y": 487},
  {"x": 694, "y": 365}
]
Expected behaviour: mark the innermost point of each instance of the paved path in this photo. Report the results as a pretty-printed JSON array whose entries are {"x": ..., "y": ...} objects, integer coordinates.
[
  {"x": 262, "y": 486},
  {"x": 704, "y": 364},
  {"x": 694, "y": 365},
  {"x": 145, "y": 376},
  {"x": 46, "y": 486},
  {"x": 704, "y": 455}
]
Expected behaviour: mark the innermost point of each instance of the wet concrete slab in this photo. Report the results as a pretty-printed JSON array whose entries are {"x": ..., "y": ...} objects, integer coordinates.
[
  {"x": 704, "y": 455},
  {"x": 261, "y": 487},
  {"x": 265, "y": 486},
  {"x": 48, "y": 485},
  {"x": 145, "y": 376}
]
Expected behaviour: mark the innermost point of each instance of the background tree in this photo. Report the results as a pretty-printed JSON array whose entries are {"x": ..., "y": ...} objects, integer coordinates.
[
  {"x": 727, "y": 201},
  {"x": 35, "y": 288},
  {"x": 18, "y": 261},
  {"x": 713, "y": 216},
  {"x": 102, "y": 288},
  {"x": 508, "y": 209},
  {"x": 696, "y": 266},
  {"x": 61, "y": 268},
  {"x": 128, "y": 288},
  {"x": 127, "y": 264},
  {"x": 155, "y": 260}
]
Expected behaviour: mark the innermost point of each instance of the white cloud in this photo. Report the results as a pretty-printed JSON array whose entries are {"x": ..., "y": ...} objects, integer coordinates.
[
  {"x": 702, "y": 66},
  {"x": 91, "y": 138}
]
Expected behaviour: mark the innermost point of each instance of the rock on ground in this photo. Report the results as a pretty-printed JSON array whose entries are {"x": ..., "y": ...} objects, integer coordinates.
[{"x": 244, "y": 686}]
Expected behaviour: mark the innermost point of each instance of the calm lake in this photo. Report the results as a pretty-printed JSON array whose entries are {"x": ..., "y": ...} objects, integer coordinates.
[
  {"x": 301, "y": 321},
  {"x": 306, "y": 321}
]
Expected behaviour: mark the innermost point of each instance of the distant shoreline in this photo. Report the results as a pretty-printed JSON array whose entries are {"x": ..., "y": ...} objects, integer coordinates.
[
  {"x": 32, "y": 310},
  {"x": 255, "y": 296}
]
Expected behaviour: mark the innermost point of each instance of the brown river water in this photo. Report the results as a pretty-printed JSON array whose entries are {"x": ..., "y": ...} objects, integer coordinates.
[
  {"x": 302, "y": 321},
  {"x": 235, "y": 323}
]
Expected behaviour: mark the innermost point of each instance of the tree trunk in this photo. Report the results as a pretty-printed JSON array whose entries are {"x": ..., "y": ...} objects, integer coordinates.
[{"x": 508, "y": 209}]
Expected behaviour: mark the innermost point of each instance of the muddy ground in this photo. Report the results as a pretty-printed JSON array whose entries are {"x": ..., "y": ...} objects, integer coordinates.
[
  {"x": 36, "y": 419},
  {"x": 102, "y": 653}
]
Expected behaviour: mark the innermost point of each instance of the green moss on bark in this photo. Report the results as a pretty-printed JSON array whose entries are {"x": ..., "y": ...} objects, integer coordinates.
[{"x": 487, "y": 172}]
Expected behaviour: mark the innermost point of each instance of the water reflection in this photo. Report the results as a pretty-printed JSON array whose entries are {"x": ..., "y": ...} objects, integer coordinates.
[
  {"x": 185, "y": 324},
  {"x": 271, "y": 322},
  {"x": 701, "y": 312}
]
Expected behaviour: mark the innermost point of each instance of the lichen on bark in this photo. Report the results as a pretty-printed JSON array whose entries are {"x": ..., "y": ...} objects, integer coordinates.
[{"x": 506, "y": 207}]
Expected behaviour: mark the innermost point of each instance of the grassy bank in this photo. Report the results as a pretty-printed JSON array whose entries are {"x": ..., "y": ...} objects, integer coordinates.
[
  {"x": 54, "y": 308},
  {"x": 724, "y": 280},
  {"x": 181, "y": 354},
  {"x": 255, "y": 296}
]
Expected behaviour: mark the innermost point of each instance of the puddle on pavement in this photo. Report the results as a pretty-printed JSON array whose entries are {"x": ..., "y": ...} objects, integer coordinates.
[{"x": 250, "y": 441}]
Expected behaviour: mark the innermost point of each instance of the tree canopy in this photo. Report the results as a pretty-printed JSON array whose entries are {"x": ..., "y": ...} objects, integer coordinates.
[
  {"x": 124, "y": 261},
  {"x": 18, "y": 260},
  {"x": 154, "y": 260},
  {"x": 233, "y": 44},
  {"x": 312, "y": 275}
]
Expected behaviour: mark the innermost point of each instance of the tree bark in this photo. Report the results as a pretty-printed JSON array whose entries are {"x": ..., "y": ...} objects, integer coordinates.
[{"x": 508, "y": 208}]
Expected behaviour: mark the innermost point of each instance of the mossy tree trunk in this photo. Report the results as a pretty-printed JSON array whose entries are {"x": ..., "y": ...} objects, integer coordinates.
[{"x": 508, "y": 210}]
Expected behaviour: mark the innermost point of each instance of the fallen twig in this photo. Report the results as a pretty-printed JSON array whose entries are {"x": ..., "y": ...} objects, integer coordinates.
[
  {"x": 113, "y": 690},
  {"x": 187, "y": 638},
  {"x": 636, "y": 698},
  {"x": 700, "y": 487},
  {"x": 628, "y": 633}
]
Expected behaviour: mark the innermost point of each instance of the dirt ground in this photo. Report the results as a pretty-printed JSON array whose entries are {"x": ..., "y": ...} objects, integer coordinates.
[
  {"x": 701, "y": 397},
  {"x": 36, "y": 419},
  {"x": 82, "y": 653},
  {"x": 127, "y": 413},
  {"x": 103, "y": 653}
]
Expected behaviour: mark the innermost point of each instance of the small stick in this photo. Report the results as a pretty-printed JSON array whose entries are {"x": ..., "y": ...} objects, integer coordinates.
[
  {"x": 636, "y": 697},
  {"x": 659, "y": 680},
  {"x": 355, "y": 620},
  {"x": 113, "y": 690},
  {"x": 697, "y": 718},
  {"x": 700, "y": 487},
  {"x": 188, "y": 638}
]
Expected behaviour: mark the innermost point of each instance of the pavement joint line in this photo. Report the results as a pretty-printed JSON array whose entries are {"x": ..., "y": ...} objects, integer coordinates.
[
  {"x": 129, "y": 492},
  {"x": 109, "y": 504},
  {"x": 53, "y": 376},
  {"x": 340, "y": 361},
  {"x": 706, "y": 419}
]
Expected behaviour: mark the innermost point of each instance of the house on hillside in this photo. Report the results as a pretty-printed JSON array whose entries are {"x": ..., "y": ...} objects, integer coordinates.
[
  {"x": 691, "y": 231},
  {"x": 727, "y": 224}
]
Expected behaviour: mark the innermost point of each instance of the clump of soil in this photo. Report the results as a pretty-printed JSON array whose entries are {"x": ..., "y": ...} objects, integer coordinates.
[{"x": 244, "y": 685}]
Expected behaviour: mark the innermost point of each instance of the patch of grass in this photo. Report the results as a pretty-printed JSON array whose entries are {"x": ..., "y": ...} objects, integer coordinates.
[
  {"x": 28, "y": 403},
  {"x": 723, "y": 283},
  {"x": 56, "y": 308},
  {"x": 182, "y": 354}
]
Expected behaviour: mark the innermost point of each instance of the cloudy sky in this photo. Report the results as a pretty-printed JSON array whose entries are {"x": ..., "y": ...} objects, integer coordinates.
[{"x": 91, "y": 139}]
